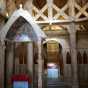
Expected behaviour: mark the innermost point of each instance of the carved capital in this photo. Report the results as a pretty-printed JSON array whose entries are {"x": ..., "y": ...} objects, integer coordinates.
[{"x": 2, "y": 44}]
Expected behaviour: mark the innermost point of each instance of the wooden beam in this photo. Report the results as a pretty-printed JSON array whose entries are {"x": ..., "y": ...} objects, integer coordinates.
[{"x": 50, "y": 9}]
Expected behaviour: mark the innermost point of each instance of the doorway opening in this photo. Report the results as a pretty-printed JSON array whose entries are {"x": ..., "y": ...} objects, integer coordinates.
[{"x": 53, "y": 61}]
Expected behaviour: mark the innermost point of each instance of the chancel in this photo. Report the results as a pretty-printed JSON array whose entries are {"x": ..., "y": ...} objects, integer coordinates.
[{"x": 43, "y": 43}]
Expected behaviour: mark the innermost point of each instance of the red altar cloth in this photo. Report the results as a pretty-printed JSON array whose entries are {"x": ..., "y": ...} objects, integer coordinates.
[{"x": 21, "y": 77}]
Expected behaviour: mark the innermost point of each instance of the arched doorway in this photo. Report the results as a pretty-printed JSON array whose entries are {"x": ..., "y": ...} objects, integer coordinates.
[
  {"x": 53, "y": 60},
  {"x": 19, "y": 50},
  {"x": 21, "y": 36}
]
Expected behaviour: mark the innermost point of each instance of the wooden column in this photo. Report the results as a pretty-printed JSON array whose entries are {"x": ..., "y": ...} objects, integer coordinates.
[
  {"x": 30, "y": 57},
  {"x": 73, "y": 49},
  {"x": 30, "y": 60},
  {"x": 39, "y": 64},
  {"x": 64, "y": 62},
  {"x": 72, "y": 32},
  {"x": 9, "y": 62},
  {"x": 2, "y": 61}
]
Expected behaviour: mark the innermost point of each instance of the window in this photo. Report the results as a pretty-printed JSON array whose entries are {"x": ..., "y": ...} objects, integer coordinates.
[
  {"x": 84, "y": 58},
  {"x": 68, "y": 58},
  {"x": 79, "y": 58}
]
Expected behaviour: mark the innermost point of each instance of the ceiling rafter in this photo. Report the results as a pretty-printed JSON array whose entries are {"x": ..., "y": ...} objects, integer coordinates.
[{"x": 82, "y": 10}]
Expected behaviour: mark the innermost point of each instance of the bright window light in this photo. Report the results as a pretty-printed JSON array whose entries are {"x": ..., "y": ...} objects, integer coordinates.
[{"x": 22, "y": 38}]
